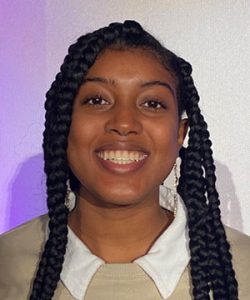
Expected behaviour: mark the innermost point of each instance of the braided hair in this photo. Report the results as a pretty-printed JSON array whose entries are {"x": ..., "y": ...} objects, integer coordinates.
[{"x": 211, "y": 268}]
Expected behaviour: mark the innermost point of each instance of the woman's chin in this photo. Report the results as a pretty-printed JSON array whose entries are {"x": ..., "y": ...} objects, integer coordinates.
[{"x": 123, "y": 197}]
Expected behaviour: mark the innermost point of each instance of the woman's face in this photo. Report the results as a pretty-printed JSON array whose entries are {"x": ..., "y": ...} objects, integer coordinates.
[{"x": 125, "y": 133}]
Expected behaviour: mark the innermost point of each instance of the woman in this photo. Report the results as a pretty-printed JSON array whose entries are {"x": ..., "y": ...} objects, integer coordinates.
[{"x": 114, "y": 129}]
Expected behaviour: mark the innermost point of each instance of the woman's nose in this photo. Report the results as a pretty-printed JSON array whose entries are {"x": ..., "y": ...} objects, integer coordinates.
[{"x": 123, "y": 121}]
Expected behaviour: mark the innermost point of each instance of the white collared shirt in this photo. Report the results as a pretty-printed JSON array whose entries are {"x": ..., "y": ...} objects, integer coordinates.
[{"x": 164, "y": 263}]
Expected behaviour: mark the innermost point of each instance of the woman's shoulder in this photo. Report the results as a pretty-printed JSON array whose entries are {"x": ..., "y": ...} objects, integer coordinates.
[
  {"x": 26, "y": 233},
  {"x": 20, "y": 250},
  {"x": 37, "y": 221},
  {"x": 23, "y": 242},
  {"x": 240, "y": 249},
  {"x": 240, "y": 242}
]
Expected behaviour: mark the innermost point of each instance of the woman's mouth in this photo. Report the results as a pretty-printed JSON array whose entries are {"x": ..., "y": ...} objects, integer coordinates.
[
  {"x": 122, "y": 161},
  {"x": 122, "y": 157}
]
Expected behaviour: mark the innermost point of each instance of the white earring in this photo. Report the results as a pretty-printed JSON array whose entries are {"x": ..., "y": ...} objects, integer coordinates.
[
  {"x": 176, "y": 180},
  {"x": 70, "y": 198}
]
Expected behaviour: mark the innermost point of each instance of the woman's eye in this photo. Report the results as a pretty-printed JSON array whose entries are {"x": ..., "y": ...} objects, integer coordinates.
[
  {"x": 96, "y": 100},
  {"x": 154, "y": 104}
]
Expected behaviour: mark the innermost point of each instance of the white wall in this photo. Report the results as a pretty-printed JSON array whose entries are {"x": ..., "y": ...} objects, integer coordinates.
[{"x": 213, "y": 35}]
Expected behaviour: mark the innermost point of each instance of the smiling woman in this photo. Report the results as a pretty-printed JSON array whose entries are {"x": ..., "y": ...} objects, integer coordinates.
[
  {"x": 114, "y": 129},
  {"x": 133, "y": 120}
]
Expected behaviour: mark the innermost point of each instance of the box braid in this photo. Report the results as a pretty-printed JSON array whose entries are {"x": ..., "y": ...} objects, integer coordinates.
[{"x": 211, "y": 267}]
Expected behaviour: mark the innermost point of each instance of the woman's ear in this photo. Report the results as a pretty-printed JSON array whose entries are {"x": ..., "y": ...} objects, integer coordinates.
[{"x": 182, "y": 132}]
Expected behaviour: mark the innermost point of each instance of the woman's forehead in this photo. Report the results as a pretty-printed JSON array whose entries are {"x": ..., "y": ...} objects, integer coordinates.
[{"x": 130, "y": 64}]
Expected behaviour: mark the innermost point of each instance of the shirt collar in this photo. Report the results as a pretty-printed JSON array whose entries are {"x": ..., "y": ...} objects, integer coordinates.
[
  {"x": 163, "y": 263},
  {"x": 168, "y": 257}
]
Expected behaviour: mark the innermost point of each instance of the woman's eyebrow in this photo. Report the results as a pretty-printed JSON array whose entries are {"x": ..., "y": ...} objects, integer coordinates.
[
  {"x": 144, "y": 84},
  {"x": 161, "y": 83}
]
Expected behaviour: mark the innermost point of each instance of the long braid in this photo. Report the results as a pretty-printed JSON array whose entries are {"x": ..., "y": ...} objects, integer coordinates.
[
  {"x": 194, "y": 192},
  {"x": 218, "y": 263},
  {"x": 59, "y": 106},
  {"x": 55, "y": 144},
  {"x": 218, "y": 244}
]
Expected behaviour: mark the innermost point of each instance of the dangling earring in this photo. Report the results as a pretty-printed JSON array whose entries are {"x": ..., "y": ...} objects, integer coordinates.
[
  {"x": 175, "y": 189},
  {"x": 70, "y": 198}
]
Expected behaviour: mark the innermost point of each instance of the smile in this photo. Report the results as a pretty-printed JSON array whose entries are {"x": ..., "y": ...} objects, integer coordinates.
[{"x": 121, "y": 157}]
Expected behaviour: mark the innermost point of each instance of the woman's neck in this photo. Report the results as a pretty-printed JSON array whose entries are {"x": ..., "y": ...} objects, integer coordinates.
[{"x": 119, "y": 234}]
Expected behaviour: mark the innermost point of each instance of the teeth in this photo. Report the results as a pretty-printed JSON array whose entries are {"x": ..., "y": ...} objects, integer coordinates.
[{"x": 121, "y": 157}]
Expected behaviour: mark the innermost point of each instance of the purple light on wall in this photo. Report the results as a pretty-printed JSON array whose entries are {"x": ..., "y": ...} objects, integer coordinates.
[{"x": 22, "y": 89}]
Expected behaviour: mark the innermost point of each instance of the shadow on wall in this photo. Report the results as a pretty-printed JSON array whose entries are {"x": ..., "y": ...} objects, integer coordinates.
[
  {"x": 27, "y": 194},
  {"x": 230, "y": 204}
]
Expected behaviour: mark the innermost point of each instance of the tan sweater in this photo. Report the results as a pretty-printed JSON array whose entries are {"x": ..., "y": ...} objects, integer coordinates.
[{"x": 20, "y": 249}]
